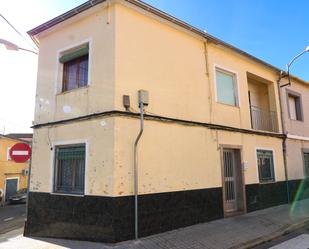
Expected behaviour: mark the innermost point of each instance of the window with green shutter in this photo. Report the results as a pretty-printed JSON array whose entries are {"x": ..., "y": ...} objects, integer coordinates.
[
  {"x": 69, "y": 169},
  {"x": 75, "y": 68}
]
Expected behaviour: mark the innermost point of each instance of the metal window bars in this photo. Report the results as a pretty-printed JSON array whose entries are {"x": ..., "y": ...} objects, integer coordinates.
[{"x": 70, "y": 169}]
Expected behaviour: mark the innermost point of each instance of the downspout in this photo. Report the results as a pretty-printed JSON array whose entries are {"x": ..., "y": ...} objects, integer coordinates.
[
  {"x": 208, "y": 78},
  {"x": 284, "y": 140},
  {"x": 141, "y": 106}
]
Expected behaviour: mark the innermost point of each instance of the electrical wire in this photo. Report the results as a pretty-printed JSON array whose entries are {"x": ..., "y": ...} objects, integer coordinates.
[
  {"x": 16, "y": 30},
  {"x": 145, "y": 111},
  {"x": 152, "y": 113},
  {"x": 13, "y": 124}
]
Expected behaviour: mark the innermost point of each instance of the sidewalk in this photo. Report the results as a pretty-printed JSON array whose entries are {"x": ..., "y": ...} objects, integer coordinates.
[{"x": 238, "y": 232}]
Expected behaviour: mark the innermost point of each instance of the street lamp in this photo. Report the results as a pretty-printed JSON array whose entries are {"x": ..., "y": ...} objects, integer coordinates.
[
  {"x": 11, "y": 46},
  {"x": 287, "y": 74}
]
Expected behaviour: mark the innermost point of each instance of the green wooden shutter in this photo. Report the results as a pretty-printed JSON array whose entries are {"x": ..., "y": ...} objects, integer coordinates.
[{"x": 75, "y": 54}]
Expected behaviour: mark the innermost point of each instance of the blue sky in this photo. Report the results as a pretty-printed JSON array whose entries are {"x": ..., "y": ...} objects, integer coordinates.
[{"x": 272, "y": 30}]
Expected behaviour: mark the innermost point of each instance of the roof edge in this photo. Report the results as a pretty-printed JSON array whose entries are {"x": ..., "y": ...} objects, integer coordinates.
[
  {"x": 147, "y": 7},
  {"x": 15, "y": 139},
  {"x": 73, "y": 12}
]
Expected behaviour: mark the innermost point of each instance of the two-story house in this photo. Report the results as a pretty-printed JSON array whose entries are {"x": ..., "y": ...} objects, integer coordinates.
[{"x": 212, "y": 144}]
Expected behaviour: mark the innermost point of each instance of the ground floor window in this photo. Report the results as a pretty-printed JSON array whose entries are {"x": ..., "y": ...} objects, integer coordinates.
[
  {"x": 265, "y": 165},
  {"x": 306, "y": 163},
  {"x": 70, "y": 169}
]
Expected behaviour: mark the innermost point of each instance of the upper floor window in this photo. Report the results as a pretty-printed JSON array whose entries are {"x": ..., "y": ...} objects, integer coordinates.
[
  {"x": 70, "y": 169},
  {"x": 294, "y": 106},
  {"x": 75, "y": 68},
  {"x": 8, "y": 157},
  {"x": 265, "y": 165},
  {"x": 226, "y": 87}
]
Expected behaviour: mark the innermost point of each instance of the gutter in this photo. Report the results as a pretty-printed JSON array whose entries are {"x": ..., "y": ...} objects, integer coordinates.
[
  {"x": 63, "y": 17},
  {"x": 87, "y": 5}
]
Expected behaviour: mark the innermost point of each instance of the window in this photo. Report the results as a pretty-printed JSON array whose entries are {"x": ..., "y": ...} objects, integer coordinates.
[
  {"x": 226, "y": 87},
  {"x": 75, "y": 68},
  {"x": 306, "y": 163},
  {"x": 8, "y": 157},
  {"x": 294, "y": 106},
  {"x": 69, "y": 169},
  {"x": 265, "y": 165}
]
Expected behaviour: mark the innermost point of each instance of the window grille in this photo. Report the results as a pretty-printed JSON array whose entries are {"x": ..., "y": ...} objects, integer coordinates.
[
  {"x": 265, "y": 165},
  {"x": 70, "y": 169}
]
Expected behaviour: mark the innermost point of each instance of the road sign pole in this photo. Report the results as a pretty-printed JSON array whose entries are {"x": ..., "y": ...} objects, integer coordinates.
[{"x": 28, "y": 188}]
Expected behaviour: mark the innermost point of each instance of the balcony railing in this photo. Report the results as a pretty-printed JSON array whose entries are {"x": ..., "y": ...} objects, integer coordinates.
[{"x": 263, "y": 119}]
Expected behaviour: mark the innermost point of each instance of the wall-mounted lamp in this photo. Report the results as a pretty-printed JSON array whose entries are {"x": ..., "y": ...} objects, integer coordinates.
[
  {"x": 11, "y": 46},
  {"x": 287, "y": 73}
]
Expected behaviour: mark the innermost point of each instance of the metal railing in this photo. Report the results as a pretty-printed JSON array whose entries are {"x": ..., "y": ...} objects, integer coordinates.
[{"x": 263, "y": 119}]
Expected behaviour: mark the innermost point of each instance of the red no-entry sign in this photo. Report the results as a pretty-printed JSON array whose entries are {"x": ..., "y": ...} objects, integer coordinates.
[{"x": 20, "y": 152}]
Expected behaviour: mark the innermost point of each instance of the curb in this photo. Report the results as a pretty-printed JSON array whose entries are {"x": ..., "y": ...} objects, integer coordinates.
[{"x": 286, "y": 229}]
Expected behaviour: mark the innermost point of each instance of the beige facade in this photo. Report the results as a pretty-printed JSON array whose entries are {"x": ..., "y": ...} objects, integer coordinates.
[
  {"x": 189, "y": 132},
  {"x": 179, "y": 88}
]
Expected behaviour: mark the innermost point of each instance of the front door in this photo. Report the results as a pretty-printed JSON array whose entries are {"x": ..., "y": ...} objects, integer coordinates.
[
  {"x": 11, "y": 187},
  {"x": 232, "y": 181}
]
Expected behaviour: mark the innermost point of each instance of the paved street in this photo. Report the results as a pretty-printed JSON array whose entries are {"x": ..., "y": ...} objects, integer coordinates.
[
  {"x": 299, "y": 242},
  {"x": 244, "y": 231},
  {"x": 298, "y": 239},
  {"x": 12, "y": 217}
]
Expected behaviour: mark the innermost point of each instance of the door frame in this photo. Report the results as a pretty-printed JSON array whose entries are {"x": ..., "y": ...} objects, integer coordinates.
[
  {"x": 243, "y": 187},
  {"x": 10, "y": 178}
]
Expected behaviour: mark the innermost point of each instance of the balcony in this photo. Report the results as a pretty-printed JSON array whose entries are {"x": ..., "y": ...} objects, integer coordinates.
[
  {"x": 263, "y": 119},
  {"x": 262, "y": 104}
]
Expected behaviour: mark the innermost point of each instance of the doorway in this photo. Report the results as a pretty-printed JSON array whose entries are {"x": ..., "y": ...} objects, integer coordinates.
[
  {"x": 233, "y": 184},
  {"x": 11, "y": 187}
]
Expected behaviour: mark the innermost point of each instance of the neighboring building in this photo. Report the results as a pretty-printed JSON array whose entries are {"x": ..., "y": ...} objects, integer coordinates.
[
  {"x": 13, "y": 176},
  {"x": 294, "y": 100},
  {"x": 23, "y": 136},
  {"x": 213, "y": 141}
]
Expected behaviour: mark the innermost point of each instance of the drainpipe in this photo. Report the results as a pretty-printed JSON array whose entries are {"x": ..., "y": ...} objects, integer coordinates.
[
  {"x": 284, "y": 139},
  {"x": 142, "y": 100}
]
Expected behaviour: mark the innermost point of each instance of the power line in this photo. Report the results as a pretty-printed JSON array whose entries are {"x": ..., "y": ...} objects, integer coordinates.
[
  {"x": 12, "y": 123},
  {"x": 15, "y": 29}
]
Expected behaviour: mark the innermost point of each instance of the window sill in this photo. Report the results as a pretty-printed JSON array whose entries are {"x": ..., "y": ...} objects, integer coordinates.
[
  {"x": 67, "y": 194},
  {"x": 267, "y": 182},
  {"x": 296, "y": 120},
  {"x": 236, "y": 106},
  {"x": 72, "y": 90}
]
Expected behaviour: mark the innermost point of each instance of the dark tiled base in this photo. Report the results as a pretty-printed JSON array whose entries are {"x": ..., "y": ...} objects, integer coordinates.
[
  {"x": 260, "y": 196},
  {"x": 59, "y": 216},
  {"x": 299, "y": 189},
  {"x": 111, "y": 219}
]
